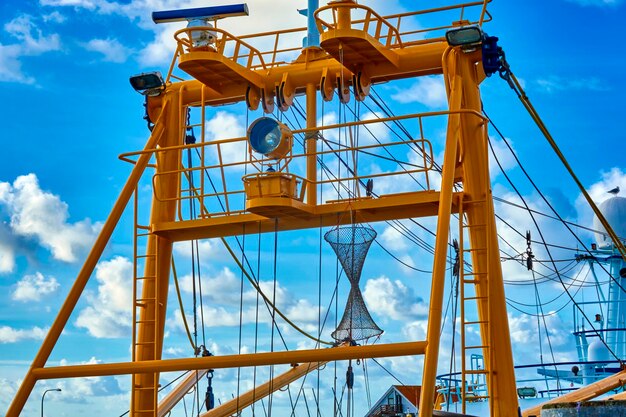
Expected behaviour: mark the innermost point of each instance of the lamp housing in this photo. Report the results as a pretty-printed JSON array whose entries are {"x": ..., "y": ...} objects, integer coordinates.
[
  {"x": 464, "y": 36},
  {"x": 270, "y": 137},
  {"x": 148, "y": 83}
]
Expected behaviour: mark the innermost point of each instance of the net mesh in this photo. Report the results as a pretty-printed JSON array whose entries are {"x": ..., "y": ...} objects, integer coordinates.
[{"x": 351, "y": 244}]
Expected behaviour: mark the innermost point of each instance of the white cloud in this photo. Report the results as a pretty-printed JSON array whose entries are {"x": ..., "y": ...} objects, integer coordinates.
[
  {"x": 111, "y": 49},
  {"x": 555, "y": 83},
  {"x": 78, "y": 389},
  {"x": 7, "y": 249},
  {"x": 55, "y": 17},
  {"x": 504, "y": 155},
  {"x": 428, "y": 91},
  {"x": 393, "y": 299},
  {"x": 393, "y": 239},
  {"x": 12, "y": 335},
  {"x": 373, "y": 133},
  {"x": 109, "y": 312},
  {"x": 41, "y": 215},
  {"x": 34, "y": 287},
  {"x": 161, "y": 49},
  {"x": 222, "y": 297},
  {"x": 525, "y": 336},
  {"x": 598, "y": 3},
  {"x": 87, "y": 4},
  {"x": 208, "y": 249},
  {"x": 31, "y": 42},
  {"x": 225, "y": 125}
]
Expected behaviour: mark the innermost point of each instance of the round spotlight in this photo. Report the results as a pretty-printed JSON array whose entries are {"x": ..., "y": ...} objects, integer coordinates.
[{"x": 270, "y": 138}]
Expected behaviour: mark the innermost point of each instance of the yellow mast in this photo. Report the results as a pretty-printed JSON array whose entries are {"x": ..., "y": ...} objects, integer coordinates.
[{"x": 353, "y": 51}]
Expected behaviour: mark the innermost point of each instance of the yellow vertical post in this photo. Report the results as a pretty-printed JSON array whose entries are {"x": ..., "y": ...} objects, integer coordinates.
[
  {"x": 152, "y": 319},
  {"x": 83, "y": 276},
  {"x": 486, "y": 265},
  {"x": 344, "y": 21},
  {"x": 311, "y": 144},
  {"x": 435, "y": 311}
]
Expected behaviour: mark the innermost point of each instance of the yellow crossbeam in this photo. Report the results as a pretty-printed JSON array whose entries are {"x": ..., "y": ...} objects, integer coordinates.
[{"x": 233, "y": 361}]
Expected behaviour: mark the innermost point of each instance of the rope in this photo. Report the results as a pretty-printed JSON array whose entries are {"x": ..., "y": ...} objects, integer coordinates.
[
  {"x": 182, "y": 309},
  {"x": 267, "y": 300}
]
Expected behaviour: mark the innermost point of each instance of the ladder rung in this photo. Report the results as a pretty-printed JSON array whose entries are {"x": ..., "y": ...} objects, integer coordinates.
[
  {"x": 470, "y": 281},
  {"x": 477, "y": 347},
  {"x": 475, "y": 250},
  {"x": 145, "y": 321},
  {"x": 151, "y": 255},
  {"x": 468, "y": 323},
  {"x": 144, "y": 388},
  {"x": 473, "y": 202},
  {"x": 144, "y": 343},
  {"x": 477, "y": 371},
  {"x": 143, "y": 411},
  {"x": 475, "y": 298},
  {"x": 142, "y": 227},
  {"x": 475, "y": 225},
  {"x": 146, "y": 277},
  {"x": 476, "y": 397},
  {"x": 475, "y": 273}
]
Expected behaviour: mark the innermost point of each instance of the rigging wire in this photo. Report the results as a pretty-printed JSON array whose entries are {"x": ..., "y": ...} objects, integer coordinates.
[
  {"x": 547, "y": 248},
  {"x": 515, "y": 85},
  {"x": 182, "y": 309}
]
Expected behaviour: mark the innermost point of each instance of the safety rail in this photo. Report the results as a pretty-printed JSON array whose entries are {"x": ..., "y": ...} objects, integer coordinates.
[
  {"x": 477, "y": 9},
  {"x": 546, "y": 386},
  {"x": 373, "y": 23},
  {"x": 214, "y": 179},
  {"x": 225, "y": 195},
  {"x": 276, "y": 48},
  {"x": 238, "y": 50},
  {"x": 285, "y": 45},
  {"x": 416, "y": 35}
]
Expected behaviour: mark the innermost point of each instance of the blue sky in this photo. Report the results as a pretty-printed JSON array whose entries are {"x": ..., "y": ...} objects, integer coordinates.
[{"x": 68, "y": 111}]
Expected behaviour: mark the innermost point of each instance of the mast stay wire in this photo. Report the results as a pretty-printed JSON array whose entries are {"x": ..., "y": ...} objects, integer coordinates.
[
  {"x": 507, "y": 75},
  {"x": 543, "y": 197},
  {"x": 532, "y": 216},
  {"x": 399, "y": 224},
  {"x": 249, "y": 276}
]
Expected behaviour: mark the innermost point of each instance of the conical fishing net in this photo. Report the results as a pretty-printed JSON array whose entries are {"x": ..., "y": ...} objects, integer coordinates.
[{"x": 351, "y": 244}]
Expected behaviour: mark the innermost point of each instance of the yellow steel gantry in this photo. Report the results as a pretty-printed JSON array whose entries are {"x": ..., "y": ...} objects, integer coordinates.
[{"x": 356, "y": 52}]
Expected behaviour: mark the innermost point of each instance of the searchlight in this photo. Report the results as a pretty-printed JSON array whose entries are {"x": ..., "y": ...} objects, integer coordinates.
[
  {"x": 148, "y": 83},
  {"x": 270, "y": 138}
]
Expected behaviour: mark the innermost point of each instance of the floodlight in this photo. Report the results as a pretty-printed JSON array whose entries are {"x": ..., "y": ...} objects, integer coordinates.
[
  {"x": 465, "y": 36},
  {"x": 148, "y": 83},
  {"x": 202, "y": 13},
  {"x": 269, "y": 137}
]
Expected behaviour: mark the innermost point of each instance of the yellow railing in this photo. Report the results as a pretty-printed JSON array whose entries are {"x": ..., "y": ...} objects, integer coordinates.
[
  {"x": 215, "y": 179},
  {"x": 224, "y": 43},
  {"x": 276, "y": 48},
  {"x": 373, "y": 23},
  {"x": 397, "y": 35}
]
